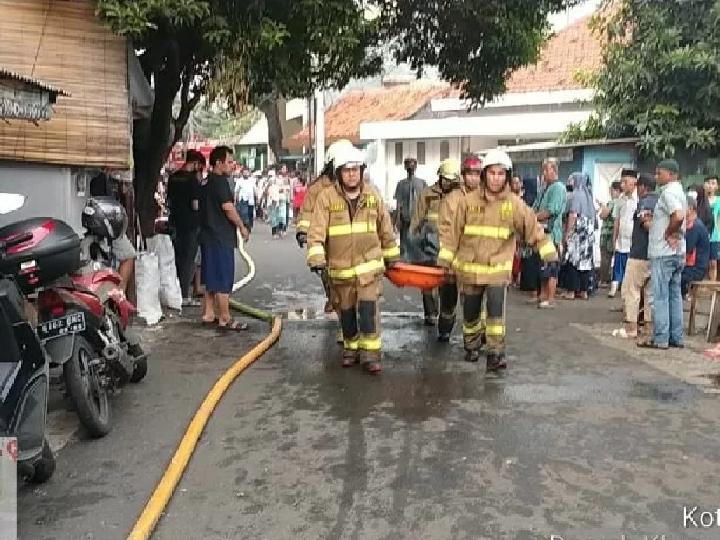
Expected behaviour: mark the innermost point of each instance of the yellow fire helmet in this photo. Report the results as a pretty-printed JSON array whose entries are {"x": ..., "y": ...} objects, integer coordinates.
[{"x": 449, "y": 169}]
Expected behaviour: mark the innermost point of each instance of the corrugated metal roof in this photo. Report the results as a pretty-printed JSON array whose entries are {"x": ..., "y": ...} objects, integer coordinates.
[{"x": 34, "y": 82}]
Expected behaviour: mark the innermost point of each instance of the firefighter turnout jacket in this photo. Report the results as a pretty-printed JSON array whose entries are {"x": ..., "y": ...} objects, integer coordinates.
[
  {"x": 477, "y": 235},
  {"x": 306, "y": 210},
  {"x": 356, "y": 243},
  {"x": 427, "y": 208}
]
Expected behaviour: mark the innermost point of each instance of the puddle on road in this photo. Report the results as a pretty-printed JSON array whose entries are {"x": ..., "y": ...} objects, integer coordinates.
[
  {"x": 314, "y": 314},
  {"x": 601, "y": 390}
]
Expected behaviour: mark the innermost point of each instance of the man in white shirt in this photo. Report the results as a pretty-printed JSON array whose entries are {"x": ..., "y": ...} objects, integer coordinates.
[
  {"x": 666, "y": 252},
  {"x": 245, "y": 198},
  {"x": 623, "y": 212}
]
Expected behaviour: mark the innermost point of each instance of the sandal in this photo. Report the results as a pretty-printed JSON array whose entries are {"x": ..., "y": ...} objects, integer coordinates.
[
  {"x": 546, "y": 305},
  {"x": 651, "y": 345},
  {"x": 622, "y": 333},
  {"x": 204, "y": 322},
  {"x": 233, "y": 325}
]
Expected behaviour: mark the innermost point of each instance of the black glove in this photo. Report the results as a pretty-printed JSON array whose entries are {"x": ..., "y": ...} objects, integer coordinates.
[
  {"x": 301, "y": 238},
  {"x": 319, "y": 269}
]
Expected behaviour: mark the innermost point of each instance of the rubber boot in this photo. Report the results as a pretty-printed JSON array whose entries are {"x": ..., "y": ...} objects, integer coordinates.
[
  {"x": 349, "y": 358},
  {"x": 445, "y": 326},
  {"x": 370, "y": 362},
  {"x": 472, "y": 356},
  {"x": 495, "y": 362}
]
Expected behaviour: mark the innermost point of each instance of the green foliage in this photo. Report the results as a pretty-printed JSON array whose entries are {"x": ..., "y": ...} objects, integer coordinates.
[
  {"x": 661, "y": 76},
  {"x": 476, "y": 44},
  {"x": 289, "y": 48},
  {"x": 593, "y": 128},
  {"x": 219, "y": 123}
]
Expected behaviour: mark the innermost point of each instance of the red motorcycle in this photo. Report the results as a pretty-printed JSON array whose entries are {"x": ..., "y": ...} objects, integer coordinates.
[{"x": 83, "y": 315}]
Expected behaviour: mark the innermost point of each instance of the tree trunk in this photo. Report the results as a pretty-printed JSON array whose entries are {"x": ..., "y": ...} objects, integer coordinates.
[
  {"x": 275, "y": 135},
  {"x": 152, "y": 139}
]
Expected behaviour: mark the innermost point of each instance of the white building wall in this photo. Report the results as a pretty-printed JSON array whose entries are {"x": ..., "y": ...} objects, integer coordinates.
[
  {"x": 394, "y": 171},
  {"x": 50, "y": 192}
]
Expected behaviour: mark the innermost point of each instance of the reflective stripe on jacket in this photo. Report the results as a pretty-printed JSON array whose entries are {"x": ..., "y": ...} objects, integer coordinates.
[
  {"x": 306, "y": 210},
  {"x": 352, "y": 247},
  {"x": 478, "y": 231}
]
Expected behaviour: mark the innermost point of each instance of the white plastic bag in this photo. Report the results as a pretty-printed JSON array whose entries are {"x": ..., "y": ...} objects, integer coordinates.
[
  {"x": 147, "y": 285},
  {"x": 170, "y": 293}
]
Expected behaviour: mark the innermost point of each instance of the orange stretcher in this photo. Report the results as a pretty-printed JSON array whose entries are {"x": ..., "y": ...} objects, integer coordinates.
[{"x": 415, "y": 275}]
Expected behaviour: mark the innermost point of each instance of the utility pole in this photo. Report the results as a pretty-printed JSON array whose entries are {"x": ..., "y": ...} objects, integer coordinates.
[{"x": 319, "y": 131}]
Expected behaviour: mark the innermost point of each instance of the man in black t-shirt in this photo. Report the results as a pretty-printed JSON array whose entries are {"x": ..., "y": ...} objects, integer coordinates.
[
  {"x": 219, "y": 223},
  {"x": 636, "y": 283},
  {"x": 183, "y": 200}
]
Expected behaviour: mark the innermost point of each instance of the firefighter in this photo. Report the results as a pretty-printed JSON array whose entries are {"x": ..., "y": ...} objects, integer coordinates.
[
  {"x": 351, "y": 236},
  {"x": 303, "y": 224},
  {"x": 424, "y": 225},
  {"x": 478, "y": 243}
]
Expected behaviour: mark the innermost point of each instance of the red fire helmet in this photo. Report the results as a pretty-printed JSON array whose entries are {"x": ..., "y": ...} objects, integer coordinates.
[{"x": 472, "y": 163}]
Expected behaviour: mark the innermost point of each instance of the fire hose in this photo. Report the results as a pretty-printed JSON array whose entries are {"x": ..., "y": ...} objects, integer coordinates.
[{"x": 164, "y": 490}]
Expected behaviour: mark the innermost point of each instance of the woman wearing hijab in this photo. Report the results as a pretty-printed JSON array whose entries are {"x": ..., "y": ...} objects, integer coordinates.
[{"x": 579, "y": 237}]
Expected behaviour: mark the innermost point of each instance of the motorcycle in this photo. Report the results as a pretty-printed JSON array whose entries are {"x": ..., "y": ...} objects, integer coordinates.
[
  {"x": 24, "y": 373},
  {"x": 84, "y": 321}
]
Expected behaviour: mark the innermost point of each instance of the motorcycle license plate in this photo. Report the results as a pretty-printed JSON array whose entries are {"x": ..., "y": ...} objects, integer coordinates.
[{"x": 69, "y": 324}]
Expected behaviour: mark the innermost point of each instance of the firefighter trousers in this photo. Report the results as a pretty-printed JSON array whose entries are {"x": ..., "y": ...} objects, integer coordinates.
[
  {"x": 360, "y": 318},
  {"x": 448, "y": 295},
  {"x": 328, "y": 288},
  {"x": 430, "y": 303},
  {"x": 491, "y": 327}
]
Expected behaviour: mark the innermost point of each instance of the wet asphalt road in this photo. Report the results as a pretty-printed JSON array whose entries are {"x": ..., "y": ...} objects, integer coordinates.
[{"x": 578, "y": 440}]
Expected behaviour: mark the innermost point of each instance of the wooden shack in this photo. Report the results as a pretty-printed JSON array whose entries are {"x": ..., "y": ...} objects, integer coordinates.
[
  {"x": 64, "y": 44},
  {"x": 61, "y": 55}
]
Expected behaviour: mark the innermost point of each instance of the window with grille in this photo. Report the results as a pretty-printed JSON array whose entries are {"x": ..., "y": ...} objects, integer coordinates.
[{"x": 421, "y": 153}]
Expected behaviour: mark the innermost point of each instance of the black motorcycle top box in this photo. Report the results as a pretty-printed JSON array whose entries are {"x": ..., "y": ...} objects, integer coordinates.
[{"x": 53, "y": 251}]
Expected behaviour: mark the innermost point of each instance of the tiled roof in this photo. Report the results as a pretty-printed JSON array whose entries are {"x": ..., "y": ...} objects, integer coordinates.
[
  {"x": 7, "y": 74},
  {"x": 573, "y": 49},
  {"x": 343, "y": 118}
]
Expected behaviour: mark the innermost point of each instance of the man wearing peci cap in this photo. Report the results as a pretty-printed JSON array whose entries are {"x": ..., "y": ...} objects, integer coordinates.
[
  {"x": 666, "y": 252},
  {"x": 623, "y": 212}
]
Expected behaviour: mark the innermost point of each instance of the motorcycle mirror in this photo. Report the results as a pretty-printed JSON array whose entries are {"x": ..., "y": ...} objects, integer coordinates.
[{"x": 9, "y": 202}]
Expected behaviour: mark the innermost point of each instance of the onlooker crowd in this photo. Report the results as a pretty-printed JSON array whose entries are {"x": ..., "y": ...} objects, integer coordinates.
[{"x": 654, "y": 243}]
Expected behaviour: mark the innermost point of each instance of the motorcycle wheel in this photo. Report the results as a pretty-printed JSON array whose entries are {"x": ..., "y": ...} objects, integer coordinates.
[
  {"x": 91, "y": 400},
  {"x": 139, "y": 370},
  {"x": 44, "y": 466}
]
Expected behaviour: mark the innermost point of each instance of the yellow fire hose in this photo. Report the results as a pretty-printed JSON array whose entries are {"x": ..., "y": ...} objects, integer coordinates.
[{"x": 147, "y": 521}]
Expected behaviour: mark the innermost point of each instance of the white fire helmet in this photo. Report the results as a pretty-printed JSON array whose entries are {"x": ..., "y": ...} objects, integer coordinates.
[
  {"x": 335, "y": 148},
  {"x": 497, "y": 157},
  {"x": 349, "y": 157}
]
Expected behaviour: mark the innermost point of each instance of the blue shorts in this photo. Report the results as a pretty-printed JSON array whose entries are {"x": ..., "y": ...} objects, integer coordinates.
[
  {"x": 218, "y": 268},
  {"x": 714, "y": 251},
  {"x": 549, "y": 269}
]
